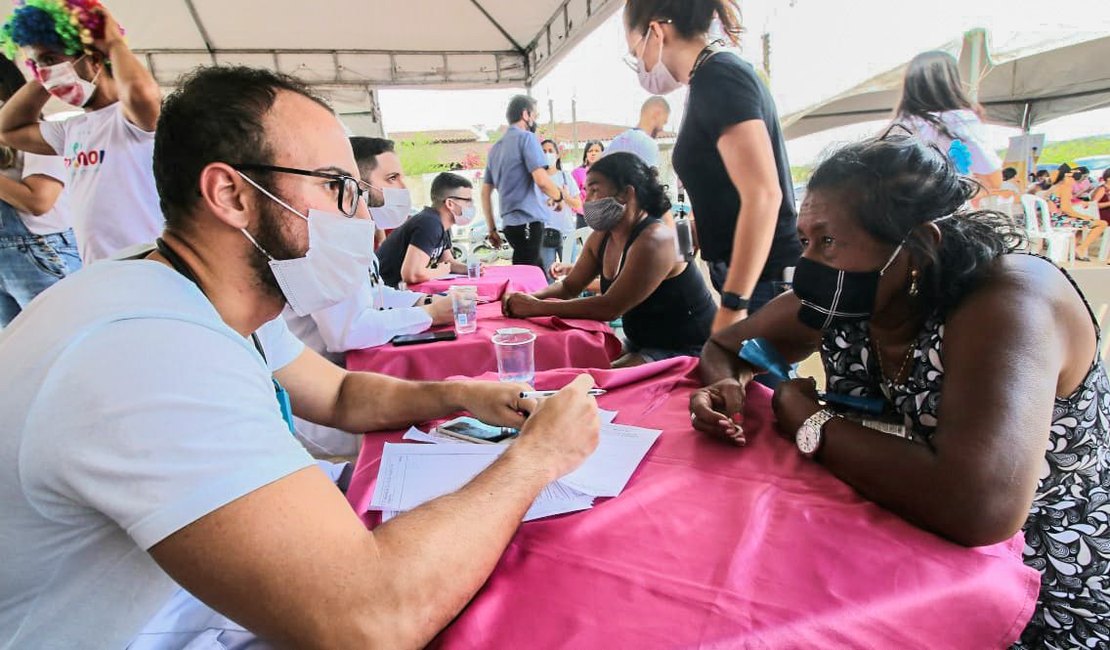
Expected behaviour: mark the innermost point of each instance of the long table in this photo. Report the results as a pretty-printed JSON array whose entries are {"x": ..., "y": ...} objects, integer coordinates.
[
  {"x": 495, "y": 282},
  {"x": 560, "y": 343},
  {"x": 713, "y": 546}
]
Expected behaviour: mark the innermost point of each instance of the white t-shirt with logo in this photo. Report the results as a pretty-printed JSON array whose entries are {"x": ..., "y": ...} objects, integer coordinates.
[
  {"x": 130, "y": 410},
  {"x": 111, "y": 184},
  {"x": 58, "y": 218}
]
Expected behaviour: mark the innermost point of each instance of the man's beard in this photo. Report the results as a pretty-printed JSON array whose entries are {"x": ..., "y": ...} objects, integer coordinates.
[{"x": 273, "y": 238}]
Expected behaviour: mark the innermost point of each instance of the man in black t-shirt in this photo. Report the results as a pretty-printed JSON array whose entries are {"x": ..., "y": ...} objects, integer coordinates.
[{"x": 420, "y": 250}]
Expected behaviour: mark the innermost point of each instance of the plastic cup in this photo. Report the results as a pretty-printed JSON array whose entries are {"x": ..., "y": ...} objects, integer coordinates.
[
  {"x": 473, "y": 267},
  {"x": 516, "y": 360},
  {"x": 464, "y": 305}
]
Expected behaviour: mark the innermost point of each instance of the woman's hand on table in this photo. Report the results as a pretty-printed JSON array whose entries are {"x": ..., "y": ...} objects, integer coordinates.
[
  {"x": 717, "y": 408},
  {"x": 562, "y": 431},
  {"x": 440, "y": 310},
  {"x": 498, "y": 403},
  {"x": 520, "y": 305},
  {"x": 794, "y": 402}
]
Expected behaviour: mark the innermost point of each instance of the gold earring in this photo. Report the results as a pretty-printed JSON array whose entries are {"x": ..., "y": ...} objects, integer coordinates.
[{"x": 913, "y": 284}]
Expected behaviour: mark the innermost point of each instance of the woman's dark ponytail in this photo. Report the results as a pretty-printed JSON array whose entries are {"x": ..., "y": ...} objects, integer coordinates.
[{"x": 691, "y": 18}]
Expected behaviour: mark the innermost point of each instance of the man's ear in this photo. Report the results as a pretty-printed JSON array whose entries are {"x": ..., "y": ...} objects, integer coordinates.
[{"x": 223, "y": 193}]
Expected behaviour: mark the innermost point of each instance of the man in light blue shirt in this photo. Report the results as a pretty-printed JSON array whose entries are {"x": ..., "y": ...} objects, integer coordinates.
[
  {"x": 516, "y": 167},
  {"x": 641, "y": 140}
]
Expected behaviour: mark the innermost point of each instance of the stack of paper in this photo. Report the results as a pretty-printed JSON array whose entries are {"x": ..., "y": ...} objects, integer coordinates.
[{"x": 411, "y": 475}]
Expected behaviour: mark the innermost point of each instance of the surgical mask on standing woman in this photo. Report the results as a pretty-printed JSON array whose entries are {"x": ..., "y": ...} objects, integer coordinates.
[
  {"x": 603, "y": 214},
  {"x": 335, "y": 266},
  {"x": 659, "y": 81}
]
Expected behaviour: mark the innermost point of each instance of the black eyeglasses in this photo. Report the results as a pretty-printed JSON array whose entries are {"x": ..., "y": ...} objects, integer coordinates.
[
  {"x": 459, "y": 198},
  {"x": 350, "y": 189}
]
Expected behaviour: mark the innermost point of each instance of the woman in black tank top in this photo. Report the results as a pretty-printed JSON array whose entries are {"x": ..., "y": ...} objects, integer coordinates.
[{"x": 666, "y": 307}]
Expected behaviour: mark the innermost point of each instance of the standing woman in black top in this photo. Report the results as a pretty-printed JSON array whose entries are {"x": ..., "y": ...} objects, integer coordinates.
[{"x": 730, "y": 153}]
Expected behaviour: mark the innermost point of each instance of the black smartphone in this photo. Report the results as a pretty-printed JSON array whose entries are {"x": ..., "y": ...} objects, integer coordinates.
[{"x": 423, "y": 337}]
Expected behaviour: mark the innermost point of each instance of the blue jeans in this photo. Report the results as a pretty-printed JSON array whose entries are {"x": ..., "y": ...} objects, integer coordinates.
[{"x": 30, "y": 263}]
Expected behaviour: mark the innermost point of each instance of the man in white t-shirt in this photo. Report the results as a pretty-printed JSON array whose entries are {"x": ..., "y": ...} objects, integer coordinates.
[
  {"x": 145, "y": 444},
  {"x": 109, "y": 148},
  {"x": 641, "y": 140}
]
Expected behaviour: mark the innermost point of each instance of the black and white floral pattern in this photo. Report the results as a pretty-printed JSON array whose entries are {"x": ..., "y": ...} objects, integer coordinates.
[{"x": 1067, "y": 535}]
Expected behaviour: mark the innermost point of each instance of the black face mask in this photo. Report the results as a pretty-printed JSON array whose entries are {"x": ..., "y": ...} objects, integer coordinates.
[
  {"x": 531, "y": 126},
  {"x": 830, "y": 296}
]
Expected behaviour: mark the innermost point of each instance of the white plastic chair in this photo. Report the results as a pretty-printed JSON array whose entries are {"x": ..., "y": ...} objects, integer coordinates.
[
  {"x": 573, "y": 245},
  {"x": 1095, "y": 285},
  {"x": 1003, "y": 204},
  {"x": 1038, "y": 228},
  {"x": 1091, "y": 209}
]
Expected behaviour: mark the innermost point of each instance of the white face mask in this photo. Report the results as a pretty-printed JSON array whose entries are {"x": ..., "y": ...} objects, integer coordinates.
[
  {"x": 659, "y": 81},
  {"x": 552, "y": 159},
  {"x": 398, "y": 205},
  {"x": 62, "y": 81},
  {"x": 467, "y": 216},
  {"x": 340, "y": 250}
]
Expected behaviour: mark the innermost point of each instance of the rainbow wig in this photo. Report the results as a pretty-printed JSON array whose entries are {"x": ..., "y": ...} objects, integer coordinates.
[{"x": 68, "y": 26}]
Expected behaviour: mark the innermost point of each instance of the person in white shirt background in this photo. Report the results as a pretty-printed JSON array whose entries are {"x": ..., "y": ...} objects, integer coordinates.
[
  {"x": 37, "y": 246},
  {"x": 935, "y": 107},
  {"x": 108, "y": 149},
  {"x": 373, "y": 314},
  {"x": 562, "y": 218},
  {"x": 642, "y": 139},
  {"x": 144, "y": 447}
]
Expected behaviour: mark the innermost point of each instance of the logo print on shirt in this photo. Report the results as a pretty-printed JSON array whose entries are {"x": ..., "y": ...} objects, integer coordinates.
[{"x": 79, "y": 159}]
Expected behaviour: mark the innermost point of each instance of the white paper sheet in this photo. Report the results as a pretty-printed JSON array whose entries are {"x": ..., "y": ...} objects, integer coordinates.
[
  {"x": 416, "y": 435},
  {"x": 620, "y": 450},
  {"x": 411, "y": 475}
]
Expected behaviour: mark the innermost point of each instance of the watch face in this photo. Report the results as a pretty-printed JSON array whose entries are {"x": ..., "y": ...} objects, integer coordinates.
[{"x": 809, "y": 437}]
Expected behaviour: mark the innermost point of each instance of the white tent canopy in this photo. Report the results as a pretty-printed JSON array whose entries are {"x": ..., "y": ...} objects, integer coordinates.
[
  {"x": 348, "y": 48},
  {"x": 1020, "y": 86}
]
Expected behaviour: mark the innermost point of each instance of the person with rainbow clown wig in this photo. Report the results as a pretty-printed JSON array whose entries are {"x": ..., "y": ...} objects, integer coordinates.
[{"x": 76, "y": 52}]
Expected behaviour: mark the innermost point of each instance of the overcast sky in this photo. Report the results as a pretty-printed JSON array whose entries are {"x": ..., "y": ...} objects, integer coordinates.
[{"x": 811, "y": 60}]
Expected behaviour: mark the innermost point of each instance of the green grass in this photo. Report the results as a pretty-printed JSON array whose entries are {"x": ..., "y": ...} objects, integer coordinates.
[{"x": 1068, "y": 151}]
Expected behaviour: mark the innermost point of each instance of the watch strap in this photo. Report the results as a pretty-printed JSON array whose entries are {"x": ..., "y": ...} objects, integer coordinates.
[{"x": 733, "y": 301}]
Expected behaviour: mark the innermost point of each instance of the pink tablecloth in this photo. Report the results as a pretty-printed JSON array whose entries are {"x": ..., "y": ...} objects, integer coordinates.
[
  {"x": 560, "y": 343},
  {"x": 711, "y": 546},
  {"x": 494, "y": 283}
]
